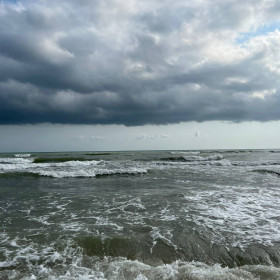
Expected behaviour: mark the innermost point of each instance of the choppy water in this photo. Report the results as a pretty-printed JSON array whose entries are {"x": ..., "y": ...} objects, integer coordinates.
[{"x": 140, "y": 215}]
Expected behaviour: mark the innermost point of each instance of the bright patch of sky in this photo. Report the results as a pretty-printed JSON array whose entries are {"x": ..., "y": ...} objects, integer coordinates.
[
  {"x": 262, "y": 30},
  {"x": 182, "y": 136}
]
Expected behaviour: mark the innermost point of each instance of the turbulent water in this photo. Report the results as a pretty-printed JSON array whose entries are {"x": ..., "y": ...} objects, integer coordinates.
[{"x": 140, "y": 215}]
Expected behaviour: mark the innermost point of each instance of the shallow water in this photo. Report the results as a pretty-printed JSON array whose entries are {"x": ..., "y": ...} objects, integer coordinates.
[{"x": 140, "y": 215}]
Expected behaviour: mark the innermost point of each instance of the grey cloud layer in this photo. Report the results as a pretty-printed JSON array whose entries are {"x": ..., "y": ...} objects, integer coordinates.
[{"x": 137, "y": 62}]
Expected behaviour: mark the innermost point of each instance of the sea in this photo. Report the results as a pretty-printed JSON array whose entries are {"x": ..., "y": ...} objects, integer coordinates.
[{"x": 185, "y": 215}]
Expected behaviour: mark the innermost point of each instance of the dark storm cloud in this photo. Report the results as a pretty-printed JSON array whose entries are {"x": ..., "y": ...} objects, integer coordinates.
[{"x": 133, "y": 63}]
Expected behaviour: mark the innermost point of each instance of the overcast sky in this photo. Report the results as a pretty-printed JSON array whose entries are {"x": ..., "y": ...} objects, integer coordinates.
[{"x": 130, "y": 74}]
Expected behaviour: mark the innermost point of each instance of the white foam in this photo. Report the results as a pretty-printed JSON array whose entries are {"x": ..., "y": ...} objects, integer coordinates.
[
  {"x": 222, "y": 162},
  {"x": 73, "y": 169},
  {"x": 68, "y": 264},
  {"x": 155, "y": 234},
  {"x": 101, "y": 221},
  {"x": 131, "y": 170},
  {"x": 6, "y": 264},
  {"x": 73, "y": 173},
  {"x": 222, "y": 210},
  {"x": 135, "y": 202},
  {"x": 166, "y": 215},
  {"x": 66, "y": 174},
  {"x": 41, "y": 219},
  {"x": 15, "y": 160},
  {"x": 256, "y": 163},
  {"x": 14, "y": 242},
  {"x": 22, "y": 155},
  {"x": 72, "y": 226},
  {"x": 128, "y": 270},
  {"x": 185, "y": 153},
  {"x": 75, "y": 163},
  {"x": 24, "y": 164},
  {"x": 200, "y": 158}
]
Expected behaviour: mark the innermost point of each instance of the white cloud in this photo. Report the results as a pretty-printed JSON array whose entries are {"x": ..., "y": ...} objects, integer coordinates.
[
  {"x": 145, "y": 136},
  {"x": 79, "y": 138},
  {"x": 96, "y": 138},
  {"x": 164, "y": 136}
]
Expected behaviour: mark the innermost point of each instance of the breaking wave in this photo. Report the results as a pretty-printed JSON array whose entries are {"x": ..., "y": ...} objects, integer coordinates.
[
  {"x": 92, "y": 173},
  {"x": 116, "y": 258},
  {"x": 184, "y": 219},
  {"x": 185, "y": 152},
  {"x": 74, "y": 173},
  {"x": 255, "y": 163},
  {"x": 123, "y": 269},
  {"x": 199, "y": 158},
  {"x": 22, "y": 155},
  {"x": 267, "y": 171},
  {"x": 193, "y": 157},
  {"x": 15, "y": 160},
  {"x": 58, "y": 159},
  {"x": 83, "y": 166}
]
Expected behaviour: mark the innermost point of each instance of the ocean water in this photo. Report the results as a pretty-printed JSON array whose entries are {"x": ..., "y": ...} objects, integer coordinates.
[{"x": 140, "y": 215}]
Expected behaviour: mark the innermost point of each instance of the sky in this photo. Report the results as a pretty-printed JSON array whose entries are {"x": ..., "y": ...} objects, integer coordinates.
[{"x": 130, "y": 74}]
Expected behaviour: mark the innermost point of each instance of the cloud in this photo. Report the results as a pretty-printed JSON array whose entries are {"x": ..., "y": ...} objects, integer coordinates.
[
  {"x": 96, "y": 138},
  {"x": 142, "y": 136},
  {"x": 79, "y": 138},
  {"x": 138, "y": 62},
  {"x": 145, "y": 136},
  {"x": 164, "y": 136}
]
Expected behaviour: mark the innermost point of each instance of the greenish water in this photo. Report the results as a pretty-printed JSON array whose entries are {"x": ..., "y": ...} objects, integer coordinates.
[{"x": 140, "y": 215}]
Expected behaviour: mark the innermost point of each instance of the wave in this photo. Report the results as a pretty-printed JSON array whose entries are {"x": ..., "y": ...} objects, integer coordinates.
[
  {"x": 80, "y": 173},
  {"x": 185, "y": 153},
  {"x": 71, "y": 163},
  {"x": 172, "y": 159},
  {"x": 158, "y": 250},
  {"x": 16, "y": 160},
  {"x": 92, "y": 173},
  {"x": 20, "y": 164},
  {"x": 256, "y": 163},
  {"x": 128, "y": 269},
  {"x": 119, "y": 257},
  {"x": 132, "y": 171},
  {"x": 225, "y": 162},
  {"x": 58, "y": 159},
  {"x": 121, "y": 268},
  {"x": 98, "y": 154},
  {"x": 267, "y": 171},
  {"x": 199, "y": 158},
  {"x": 94, "y": 257},
  {"x": 236, "y": 151},
  {"x": 22, "y": 155},
  {"x": 193, "y": 158},
  {"x": 71, "y": 264}
]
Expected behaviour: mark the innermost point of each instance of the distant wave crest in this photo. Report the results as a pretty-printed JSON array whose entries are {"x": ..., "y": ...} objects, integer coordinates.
[
  {"x": 200, "y": 158},
  {"x": 22, "y": 155}
]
